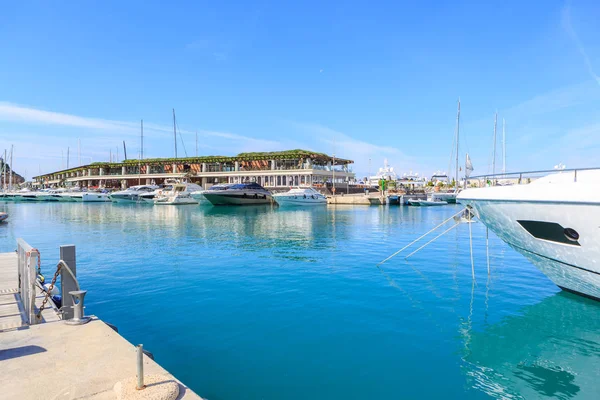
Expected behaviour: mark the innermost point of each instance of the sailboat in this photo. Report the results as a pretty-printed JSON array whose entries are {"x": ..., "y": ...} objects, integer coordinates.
[{"x": 450, "y": 197}]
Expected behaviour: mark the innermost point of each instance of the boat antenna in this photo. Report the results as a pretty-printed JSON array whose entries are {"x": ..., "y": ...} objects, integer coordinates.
[
  {"x": 124, "y": 150},
  {"x": 175, "y": 132},
  {"x": 457, "y": 136}
]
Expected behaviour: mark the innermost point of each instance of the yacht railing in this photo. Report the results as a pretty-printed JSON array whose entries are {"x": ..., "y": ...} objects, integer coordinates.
[{"x": 524, "y": 177}]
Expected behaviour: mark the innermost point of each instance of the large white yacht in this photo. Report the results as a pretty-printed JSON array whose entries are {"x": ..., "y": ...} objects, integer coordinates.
[
  {"x": 552, "y": 221},
  {"x": 238, "y": 194},
  {"x": 131, "y": 195},
  {"x": 180, "y": 193},
  {"x": 300, "y": 197}
]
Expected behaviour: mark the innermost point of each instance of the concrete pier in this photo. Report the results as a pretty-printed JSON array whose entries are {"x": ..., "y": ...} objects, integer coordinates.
[
  {"x": 54, "y": 360},
  {"x": 357, "y": 199}
]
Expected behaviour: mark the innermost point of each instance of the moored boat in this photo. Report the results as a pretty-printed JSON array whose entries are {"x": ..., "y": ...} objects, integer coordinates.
[
  {"x": 300, "y": 197},
  {"x": 426, "y": 203},
  {"x": 180, "y": 194},
  {"x": 552, "y": 221},
  {"x": 131, "y": 195},
  {"x": 238, "y": 194},
  {"x": 94, "y": 197},
  {"x": 3, "y": 216}
]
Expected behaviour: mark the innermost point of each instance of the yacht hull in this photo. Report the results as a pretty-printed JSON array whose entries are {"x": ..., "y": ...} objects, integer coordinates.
[
  {"x": 297, "y": 201},
  {"x": 95, "y": 198},
  {"x": 538, "y": 230},
  {"x": 224, "y": 199}
]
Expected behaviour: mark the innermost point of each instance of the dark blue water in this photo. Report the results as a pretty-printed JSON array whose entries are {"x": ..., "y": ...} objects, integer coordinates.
[{"x": 266, "y": 303}]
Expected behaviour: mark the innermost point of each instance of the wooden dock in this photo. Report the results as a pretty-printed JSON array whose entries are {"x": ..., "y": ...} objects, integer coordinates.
[{"x": 55, "y": 360}]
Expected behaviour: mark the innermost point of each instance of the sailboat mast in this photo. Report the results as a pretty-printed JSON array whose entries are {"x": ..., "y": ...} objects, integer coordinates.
[
  {"x": 503, "y": 146},
  {"x": 494, "y": 156},
  {"x": 141, "y": 153},
  {"x": 457, "y": 137},
  {"x": 4, "y": 171},
  {"x": 175, "y": 132},
  {"x": 10, "y": 177},
  {"x": 142, "y": 141}
]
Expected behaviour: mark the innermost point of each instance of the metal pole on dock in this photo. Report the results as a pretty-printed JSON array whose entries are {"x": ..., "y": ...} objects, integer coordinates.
[{"x": 140, "y": 366}]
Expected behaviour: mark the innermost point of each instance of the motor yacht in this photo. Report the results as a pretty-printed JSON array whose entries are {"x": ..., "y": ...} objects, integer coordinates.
[
  {"x": 95, "y": 197},
  {"x": 300, "y": 197},
  {"x": 25, "y": 195},
  {"x": 238, "y": 194},
  {"x": 131, "y": 195},
  {"x": 181, "y": 193},
  {"x": 149, "y": 197},
  {"x": 426, "y": 203},
  {"x": 552, "y": 221}
]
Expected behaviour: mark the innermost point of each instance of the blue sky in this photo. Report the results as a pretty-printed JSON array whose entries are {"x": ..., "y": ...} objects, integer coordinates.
[{"x": 366, "y": 80}]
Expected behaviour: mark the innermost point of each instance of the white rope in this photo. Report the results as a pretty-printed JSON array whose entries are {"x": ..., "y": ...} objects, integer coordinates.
[
  {"x": 419, "y": 238},
  {"x": 435, "y": 238},
  {"x": 487, "y": 248},
  {"x": 471, "y": 245}
]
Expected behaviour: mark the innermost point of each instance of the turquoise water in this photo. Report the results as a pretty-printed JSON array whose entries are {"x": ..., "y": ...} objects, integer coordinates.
[{"x": 266, "y": 303}]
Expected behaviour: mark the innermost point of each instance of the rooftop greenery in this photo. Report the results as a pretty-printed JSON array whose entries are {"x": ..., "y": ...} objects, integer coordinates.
[{"x": 254, "y": 156}]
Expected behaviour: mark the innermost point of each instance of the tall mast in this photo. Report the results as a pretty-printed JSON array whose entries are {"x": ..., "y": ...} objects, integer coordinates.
[
  {"x": 494, "y": 156},
  {"x": 10, "y": 177},
  {"x": 142, "y": 140},
  {"x": 175, "y": 132},
  {"x": 4, "y": 171},
  {"x": 124, "y": 150},
  {"x": 457, "y": 136},
  {"x": 141, "y": 154},
  {"x": 503, "y": 146}
]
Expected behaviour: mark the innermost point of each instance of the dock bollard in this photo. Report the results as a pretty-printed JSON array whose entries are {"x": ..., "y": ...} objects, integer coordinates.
[
  {"x": 140, "y": 367},
  {"x": 78, "y": 318}
]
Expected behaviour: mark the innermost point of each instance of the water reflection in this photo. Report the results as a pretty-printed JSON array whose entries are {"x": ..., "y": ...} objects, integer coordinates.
[{"x": 552, "y": 350}]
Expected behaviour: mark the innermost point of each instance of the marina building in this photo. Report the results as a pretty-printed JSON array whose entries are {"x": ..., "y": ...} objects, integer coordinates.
[{"x": 270, "y": 169}]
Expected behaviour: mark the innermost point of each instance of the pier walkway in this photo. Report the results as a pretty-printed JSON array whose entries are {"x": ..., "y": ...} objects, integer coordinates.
[{"x": 53, "y": 360}]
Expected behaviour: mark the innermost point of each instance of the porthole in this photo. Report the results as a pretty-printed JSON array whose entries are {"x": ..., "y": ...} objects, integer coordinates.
[{"x": 571, "y": 234}]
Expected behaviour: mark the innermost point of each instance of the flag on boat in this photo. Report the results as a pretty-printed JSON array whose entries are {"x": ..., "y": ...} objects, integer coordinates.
[{"x": 468, "y": 166}]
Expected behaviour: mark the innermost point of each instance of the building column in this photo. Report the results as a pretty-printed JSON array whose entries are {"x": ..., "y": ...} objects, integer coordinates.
[
  {"x": 237, "y": 166},
  {"x": 174, "y": 166},
  {"x": 203, "y": 167},
  {"x": 272, "y": 165},
  {"x": 123, "y": 170},
  {"x": 147, "y": 168}
]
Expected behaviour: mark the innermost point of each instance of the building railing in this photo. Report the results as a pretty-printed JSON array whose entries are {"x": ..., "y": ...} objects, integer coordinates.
[{"x": 522, "y": 177}]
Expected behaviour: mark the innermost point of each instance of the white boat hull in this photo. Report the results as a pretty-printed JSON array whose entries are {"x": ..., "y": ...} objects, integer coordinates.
[
  {"x": 426, "y": 203},
  {"x": 95, "y": 198},
  {"x": 296, "y": 201},
  {"x": 538, "y": 229}
]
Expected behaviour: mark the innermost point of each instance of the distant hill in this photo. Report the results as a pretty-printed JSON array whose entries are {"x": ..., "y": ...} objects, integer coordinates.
[{"x": 17, "y": 179}]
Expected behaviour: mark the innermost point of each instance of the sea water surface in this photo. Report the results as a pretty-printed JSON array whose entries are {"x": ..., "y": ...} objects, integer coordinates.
[{"x": 268, "y": 303}]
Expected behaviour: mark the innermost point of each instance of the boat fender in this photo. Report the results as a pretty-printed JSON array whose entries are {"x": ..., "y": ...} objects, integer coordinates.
[
  {"x": 41, "y": 278},
  {"x": 54, "y": 292},
  {"x": 57, "y": 300}
]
